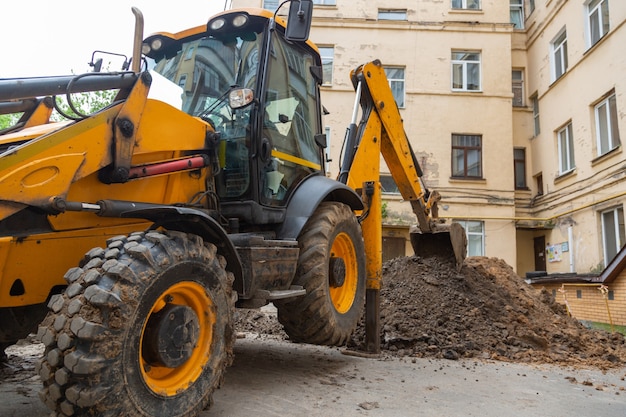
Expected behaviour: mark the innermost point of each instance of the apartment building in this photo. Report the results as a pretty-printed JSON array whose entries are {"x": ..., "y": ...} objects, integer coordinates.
[{"x": 514, "y": 110}]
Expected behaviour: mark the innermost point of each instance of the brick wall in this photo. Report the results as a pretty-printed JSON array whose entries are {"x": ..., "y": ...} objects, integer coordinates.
[{"x": 588, "y": 303}]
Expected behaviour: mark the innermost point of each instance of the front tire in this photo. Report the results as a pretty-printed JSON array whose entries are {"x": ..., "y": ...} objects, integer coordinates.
[
  {"x": 144, "y": 328},
  {"x": 331, "y": 268}
]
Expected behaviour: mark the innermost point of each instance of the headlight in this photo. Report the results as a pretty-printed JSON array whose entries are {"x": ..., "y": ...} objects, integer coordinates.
[
  {"x": 240, "y": 20},
  {"x": 156, "y": 44},
  {"x": 217, "y": 24},
  {"x": 145, "y": 49}
]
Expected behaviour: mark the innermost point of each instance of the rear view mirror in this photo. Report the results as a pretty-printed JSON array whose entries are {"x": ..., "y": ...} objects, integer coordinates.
[{"x": 299, "y": 20}]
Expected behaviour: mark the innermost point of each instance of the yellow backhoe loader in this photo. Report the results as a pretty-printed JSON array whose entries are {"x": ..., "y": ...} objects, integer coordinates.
[{"x": 129, "y": 236}]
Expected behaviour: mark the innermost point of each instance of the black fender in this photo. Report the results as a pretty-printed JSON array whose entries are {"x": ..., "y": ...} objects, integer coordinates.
[
  {"x": 308, "y": 196},
  {"x": 189, "y": 220}
]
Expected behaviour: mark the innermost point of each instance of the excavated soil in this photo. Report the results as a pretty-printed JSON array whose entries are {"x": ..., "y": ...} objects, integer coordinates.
[{"x": 428, "y": 309}]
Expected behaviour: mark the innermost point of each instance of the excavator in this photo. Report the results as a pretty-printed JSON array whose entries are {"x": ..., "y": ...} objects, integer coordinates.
[{"x": 128, "y": 237}]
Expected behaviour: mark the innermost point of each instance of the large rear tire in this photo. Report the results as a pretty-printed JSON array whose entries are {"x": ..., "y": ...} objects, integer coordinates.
[
  {"x": 144, "y": 328},
  {"x": 331, "y": 268}
]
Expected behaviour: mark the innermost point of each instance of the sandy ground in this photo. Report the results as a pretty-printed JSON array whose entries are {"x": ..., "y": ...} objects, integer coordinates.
[{"x": 273, "y": 377}]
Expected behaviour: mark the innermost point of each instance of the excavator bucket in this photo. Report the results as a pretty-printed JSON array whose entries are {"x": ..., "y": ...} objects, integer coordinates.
[{"x": 444, "y": 241}]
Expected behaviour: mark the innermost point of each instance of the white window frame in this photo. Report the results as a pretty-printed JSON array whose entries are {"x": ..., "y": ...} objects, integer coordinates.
[
  {"x": 327, "y": 54},
  {"x": 325, "y": 2},
  {"x": 613, "y": 230},
  {"x": 607, "y": 133},
  {"x": 463, "y": 65},
  {"x": 475, "y": 239},
  {"x": 536, "y": 120},
  {"x": 465, "y": 4},
  {"x": 517, "y": 13},
  {"x": 597, "y": 20},
  {"x": 392, "y": 14},
  {"x": 565, "y": 149},
  {"x": 558, "y": 55},
  {"x": 398, "y": 82}
]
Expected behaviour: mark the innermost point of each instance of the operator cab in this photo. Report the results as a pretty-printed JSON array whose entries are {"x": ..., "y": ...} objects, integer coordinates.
[{"x": 260, "y": 91}]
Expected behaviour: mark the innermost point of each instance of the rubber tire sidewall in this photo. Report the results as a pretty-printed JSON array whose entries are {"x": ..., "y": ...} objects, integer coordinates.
[{"x": 313, "y": 318}]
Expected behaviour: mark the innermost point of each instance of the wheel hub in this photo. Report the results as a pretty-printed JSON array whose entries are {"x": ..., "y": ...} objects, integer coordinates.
[
  {"x": 337, "y": 272},
  {"x": 171, "y": 335}
]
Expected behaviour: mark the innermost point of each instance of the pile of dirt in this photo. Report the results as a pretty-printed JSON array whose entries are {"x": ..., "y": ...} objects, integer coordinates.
[{"x": 428, "y": 309}]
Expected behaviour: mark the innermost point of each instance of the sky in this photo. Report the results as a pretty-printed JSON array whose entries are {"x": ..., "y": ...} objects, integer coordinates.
[{"x": 58, "y": 37}]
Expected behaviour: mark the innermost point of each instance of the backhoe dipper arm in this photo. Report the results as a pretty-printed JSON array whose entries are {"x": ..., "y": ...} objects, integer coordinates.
[
  {"x": 379, "y": 107},
  {"x": 381, "y": 132}
]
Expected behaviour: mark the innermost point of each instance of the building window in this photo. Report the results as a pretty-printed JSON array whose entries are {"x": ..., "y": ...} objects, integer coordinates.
[
  {"x": 519, "y": 166},
  {"x": 325, "y": 2},
  {"x": 559, "y": 55},
  {"x": 612, "y": 232},
  {"x": 611, "y": 295},
  {"x": 539, "y": 184},
  {"x": 517, "y": 77},
  {"x": 517, "y": 13},
  {"x": 475, "y": 231},
  {"x": 467, "y": 156},
  {"x": 391, "y": 14},
  {"x": 388, "y": 185},
  {"x": 182, "y": 81},
  {"x": 395, "y": 76},
  {"x": 270, "y": 4},
  {"x": 189, "y": 53},
  {"x": 531, "y": 6},
  {"x": 565, "y": 145},
  {"x": 579, "y": 293},
  {"x": 537, "y": 127},
  {"x": 466, "y": 4},
  {"x": 607, "y": 132},
  {"x": 327, "y": 53},
  {"x": 465, "y": 71},
  {"x": 598, "y": 20}
]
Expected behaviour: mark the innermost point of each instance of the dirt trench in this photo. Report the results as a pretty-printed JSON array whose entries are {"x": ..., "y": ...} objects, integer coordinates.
[{"x": 486, "y": 311}]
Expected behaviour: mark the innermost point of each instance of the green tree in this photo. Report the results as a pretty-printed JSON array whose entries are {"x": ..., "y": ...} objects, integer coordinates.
[{"x": 85, "y": 103}]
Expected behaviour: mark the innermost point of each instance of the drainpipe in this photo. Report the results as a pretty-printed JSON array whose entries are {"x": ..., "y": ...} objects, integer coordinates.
[{"x": 570, "y": 243}]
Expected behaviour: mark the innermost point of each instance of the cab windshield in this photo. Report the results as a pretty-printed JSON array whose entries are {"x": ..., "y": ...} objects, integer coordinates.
[{"x": 207, "y": 69}]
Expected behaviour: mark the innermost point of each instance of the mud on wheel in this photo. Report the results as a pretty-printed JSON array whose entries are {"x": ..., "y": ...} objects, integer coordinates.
[
  {"x": 143, "y": 328},
  {"x": 331, "y": 268}
]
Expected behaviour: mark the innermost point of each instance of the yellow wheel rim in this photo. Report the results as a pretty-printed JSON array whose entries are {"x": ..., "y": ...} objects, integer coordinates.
[
  {"x": 170, "y": 381},
  {"x": 343, "y": 296}
]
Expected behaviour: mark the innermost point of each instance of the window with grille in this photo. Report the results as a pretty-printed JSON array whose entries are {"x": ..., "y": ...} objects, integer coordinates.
[{"x": 467, "y": 156}]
